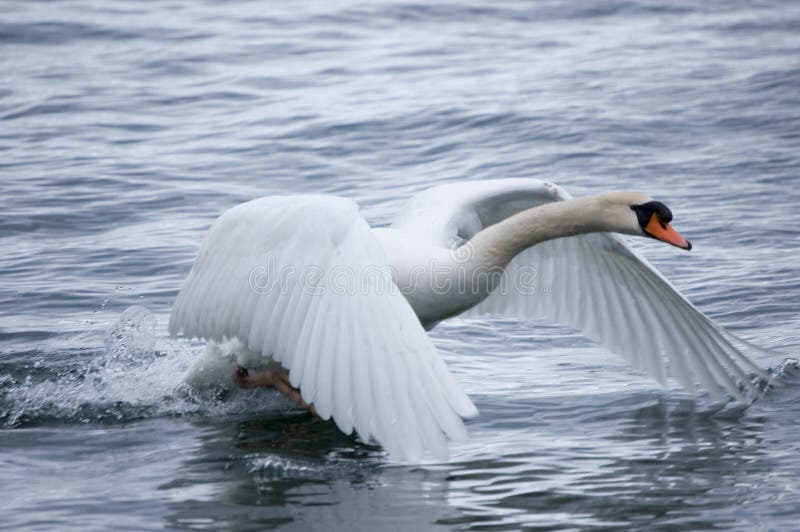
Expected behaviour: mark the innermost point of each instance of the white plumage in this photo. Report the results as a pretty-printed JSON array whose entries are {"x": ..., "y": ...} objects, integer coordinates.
[
  {"x": 305, "y": 281},
  {"x": 274, "y": 273}
]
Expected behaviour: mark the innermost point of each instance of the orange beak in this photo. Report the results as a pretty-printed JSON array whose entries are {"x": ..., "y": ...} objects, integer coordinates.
[{"x": 665, "y": 233}]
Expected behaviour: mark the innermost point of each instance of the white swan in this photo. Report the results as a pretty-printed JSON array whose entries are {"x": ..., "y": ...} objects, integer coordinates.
[{"x": 305, "y": 282}]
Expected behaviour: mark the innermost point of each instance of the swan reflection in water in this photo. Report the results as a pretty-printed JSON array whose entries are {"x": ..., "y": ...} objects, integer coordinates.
[{"x": 645, "y": 457}]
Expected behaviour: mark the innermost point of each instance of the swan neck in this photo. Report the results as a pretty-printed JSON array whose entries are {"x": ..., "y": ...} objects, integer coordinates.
[{"x": 497, "y": 244}]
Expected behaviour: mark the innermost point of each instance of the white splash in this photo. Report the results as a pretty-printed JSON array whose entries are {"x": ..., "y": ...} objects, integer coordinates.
[{"x": 137, "y": 375}]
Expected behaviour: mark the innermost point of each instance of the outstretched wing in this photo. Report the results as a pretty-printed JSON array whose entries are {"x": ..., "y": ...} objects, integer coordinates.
[
  {"x": 304, "y": 280},
  {"x": 595, "y": 283},
  {"x": 600, "y": 286}
]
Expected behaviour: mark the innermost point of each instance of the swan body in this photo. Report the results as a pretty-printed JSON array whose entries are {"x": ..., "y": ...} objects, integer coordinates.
[{"x": 305, "y": 282}]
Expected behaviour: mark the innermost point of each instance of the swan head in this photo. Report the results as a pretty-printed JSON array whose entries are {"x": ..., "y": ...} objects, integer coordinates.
[{"x": 637, "y": 214}]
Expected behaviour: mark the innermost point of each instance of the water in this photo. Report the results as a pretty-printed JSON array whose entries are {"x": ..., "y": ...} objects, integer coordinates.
[{"x": 127, "y": 127}]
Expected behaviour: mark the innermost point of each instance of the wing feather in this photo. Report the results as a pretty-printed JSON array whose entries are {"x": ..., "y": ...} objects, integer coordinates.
[
  {"x": 361, "y": 385},
  {"x": 341, "y": 393}
]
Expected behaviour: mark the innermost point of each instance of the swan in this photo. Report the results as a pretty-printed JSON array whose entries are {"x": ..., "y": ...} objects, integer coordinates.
[{"x": 334, "y": 313}]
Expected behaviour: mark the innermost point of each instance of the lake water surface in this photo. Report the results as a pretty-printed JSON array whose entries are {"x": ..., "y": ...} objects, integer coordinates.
[{"x": 126, "y": 128}]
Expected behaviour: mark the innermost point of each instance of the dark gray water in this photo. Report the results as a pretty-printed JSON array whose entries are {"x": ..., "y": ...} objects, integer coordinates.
[{"x": 127, "y": 127}]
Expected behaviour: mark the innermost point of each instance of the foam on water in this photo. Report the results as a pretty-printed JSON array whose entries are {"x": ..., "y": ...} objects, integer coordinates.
[{"x": 138, "y": 375}]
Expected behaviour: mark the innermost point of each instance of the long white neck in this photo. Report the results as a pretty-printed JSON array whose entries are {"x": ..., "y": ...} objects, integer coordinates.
[
  {"x": 450, "y": 282},
  {"x": 495, "y": 246}
]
